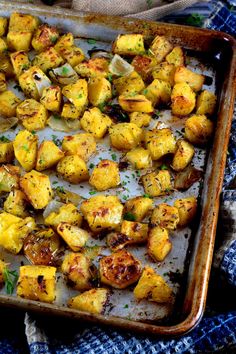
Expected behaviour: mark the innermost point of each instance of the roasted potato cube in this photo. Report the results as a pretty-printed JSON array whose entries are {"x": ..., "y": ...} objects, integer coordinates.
[
  {"x": 5, "y": 65},
  {"x": 19, "y": 40},
  {"x": 129, "y": 84},
  {"x": 92, "y": 301},
  {"x": 187, "y": 208},
  {"x": 9, "y": 178},
  {"x": 37, "y": 188},
  {"x": 77, "y": 93},
  {"x": 125, "y": 136},
  {"x": 140, "y": 119},
  {"x": 183, "y": 155},
  {"x": 8, "y": 103},
  {"x": 13, "y": 231},
  {"x": 159, "y": 244},
  {"x": 99, "y": 91},
  {"x": 3, "y": 265},
  {"x": 51, "y": 98},
  {"x": 82, "y": 144},
  {"x": 120, "y": 269},
  {"x": 160, "y": 47},
  {"x": 206, "y": 103},
  {"x": 165, "y": 216},
  {"x": 183, "y": 99},
  {"x": 3, "y": 82},
  {"x": 165, "y": 72},
  {"x": 95, "y": 122},
  {"x": 32, "y": 114},
  {"x": 48, "y": 59},
  {"x": 3, "y": 26},
  {"x": 138, "y": 207},
  {"x": 77, "y": 269},
  {"x": 153, "y": 287},
  {"x": 37, "y": 282},
  {"x": 3, "y": 46},
  {"x": 48, "y": 155},
  {"x": 135, "y": 103},
  {"x": 176, "y": 57},
  {"x": 198, "y": 129},
  {"x": 194, "y": 80},
  {"x": 158, "y": 91},
  {"x": 32, "y": 81},
  {"x": 105, "y": 175},
  {"x": 129, "y": 44},
  {"x": 16, "y": 203},
  {"x": 69, "y": 111},
  {"x": 139, "y": 158},
  {"x": 157, "y": 183},
  {"x": 74, "y": 237},
  {"x": 6, "y": 152},
  {"x": 25, "y": 149},
  {"x": 73, "y": 55},
  {"x": 116, "y": 241},
  {"x": 23, "y": 22},
  {"x": 102, "y": 212},
  {"x": 143, "y": 65},
  {"x": 66, "y": 40},
  {"x": 135, "y": 231},
  {"x": 44, "y": 37},
  {"x": 160, "y": 143},
  {"x": 93, "y": 68},
  {"x": 67, "y": 213},
  {"x": 73, "y": 169},
  {"x": 20, "y": 62}
]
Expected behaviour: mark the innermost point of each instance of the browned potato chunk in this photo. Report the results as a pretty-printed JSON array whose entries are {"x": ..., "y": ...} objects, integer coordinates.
[
  {"x": 206, "y": 103},
  {"x": 93, "y": 301},
  {"x": 125, "y": 136},
  {"x": 99, "y": 91},
  {"x": 23, "y": 22},
  {"x": 198, "y": 129},
  {"x": 75, "y": 237},
  {"x": 19, "y": 40},
  {"x": 25, "y": 149},
  {"x": 194, "y": 80},
  {"x": 8, "y": 103},
  {"x": 165, "y": 216},
  {"x": 138, "y": 207},
  {"x": 159, "y": 244},
  {"x": 129, "y": 44},
  {"x": 129, "y": 84},
  {"x": 139, "y": 158},
  {"x": 20, "y": 62},
  {"x": 77, "y": 93},
  {"x": 77, "y": 269},
  {"x": 136, "y": 232},
  {"x": 37, "y": 188},
  {"x": 66, "y": 213},
  {"x": 119, "y": 270},
  {"x": 69, "y": 111},
  {"x": 160, "y": 47},
  {"x": 187, "y": 208},
  {"x": 157, "y": 183},
  {"x": 158, "y": 91},
  {"x": 37, "y": 282},
  {"x": 16, "y": 203},
  {"x": 143, "y": 65},
  {"x": 82, "y": 144},
  {"x": 73, "y": 169},
  {"x": 136, "y": 103},
  {"x": 48, "y": 59},
  {"x": 165, "y": 72},
  {"x": 72, "y": 54},
  {"x": 96, "y": 67},
  {"x": 3, "y": 26},
  {"x": 183, "y": 155},
  {"x": 140, "y": 119},
  {"x": 116, "y": 241},
  {"x": 6, "y": 152},
  {"x": 153, "y": 287},
  {"x": 176, "y": 57},
  {"x": 183, "y": 99},
  {"x": 105, "y": 175},
  {"x": 102, "y": 212},
  {"x": 44, "y": 37},
  {"x": 48, "y": 155},
  {"x": 95, "y": 122},
  {"x": 3, "y": 82},
  {"x": 32, "y": 114},
  {"x": 160, "y": 142},
  {"x": 32, "y": 81},
  {"x": 51, "y": 98}
]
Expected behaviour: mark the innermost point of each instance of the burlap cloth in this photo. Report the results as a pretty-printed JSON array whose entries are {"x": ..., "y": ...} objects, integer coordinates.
[{"x": 145, "y": 9}]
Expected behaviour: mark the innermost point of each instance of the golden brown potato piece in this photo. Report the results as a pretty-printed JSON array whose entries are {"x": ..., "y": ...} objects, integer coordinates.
[
  {"x": 48, "y": 155},
  {"x": 95, "y": 122},
  {"x": 138, "y": 207},
  {"x": 69, "y": 111},
  {"x": 82, "y": 144},
  {"x": 159, "y": 244},
  {"x": 143, "y": 65},
  {"x": 73, "y": 169},
  {"x": 116, "y": 241},
  {"x": 32, "y": 114},
  {"x": 8, "y": 103},
  {"x": 129, "y": 84},
  {"x": 99, "y": 91},
  {"x": 194, "y": 80},
  {"x": 72, "y": 54},
  {"x": 9, "y": 178},
  {"x": 5, "y": 65},
  {"x": 160, "y": 47},
  {"x": 25, "y": 148},
  {"x": 95, "y": 67},
  {"x": 23, "y": 22},
  {"x": 51, "y": 98},
  {"x": 187, "y": 208},
  {"x": 3, "y": 46},
  {"x": 77, "y": 269},
  {"x": 125, "y": 136},
  {"x": 157, "y": 183},
  {"x": 140, "y": 119},
  {"x": 3, "y": 82},
  {"x": 16, "y": 203},
  {"x": 102, "y": 212},
  {"x": 37, "y": 282},
  {"x": 135, "y": 103},
  {"x": 41, "y": 248},
  {"x": 165, "y": 72},
  {"x": 198, "y": 129},
  {"x": 183, "y": 99},
  {"x": 136, "y": 232},
  {"x": 74, "y": 236},
  {"x": 105, "y": 175},
  {"x": 77, "y": 93},
  {"x": 93, "y": 301},
  {"x": 66, "y": 213},
  {"x": 3, "y": 26},
  {"x": 37, "y": 188},
  {"x": 48, "y": 59},
  {"x": 186, "y": 178},
  {"x": 206, "y": 103},
  {"x": 19, "y": 40},
  {"x": 139, "y": 157},
  {"x": 158, "y": 91},
  {"x": 160, "y": 142},
  {"x": 165, "y": 216},
  {"x": 3, "y": 266},
  {"x": 31, "y": 82},
  {"x": 6, "y": 152},
  {"x": 119, "y": 270},
  {"x": 176, "y": 57},
  {"x": 183, "y": 155},
  {"x": 20, "y": 62},
  {"x": 153, "y": 287},
  {"x": 129, "y": 44},
  {"x": 44, "y": 37}
]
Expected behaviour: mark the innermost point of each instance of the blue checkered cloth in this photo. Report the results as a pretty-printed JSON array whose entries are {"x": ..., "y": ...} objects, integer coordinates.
[{"x": 217, "y": 330}]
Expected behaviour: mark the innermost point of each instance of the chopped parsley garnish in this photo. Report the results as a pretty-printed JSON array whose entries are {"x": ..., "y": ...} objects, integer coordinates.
[
  {"x": 56, "y": 140},
  {"x": 54, "y": 182},
  {"x": 195, "y": 20},
  {"x": 91, "y": 41},
  {"x": 65, "y": 70},
  {"x": 138, "y": 173},
  {"x": 60, "y": 189},
  {"x": 114, "y": 157},
  {"x": 56, "y": 116},
  {"x": 164, "y": 167},
  {"x": 129, "y": 216},
  {"x": 126, "y": 306},
  {"x": 109, "y": 77},
  {"x": 92, "y": 192},
  {"x": 53, "y": 39},
  {"x": 10, "y": 278},
  {"x": 147, "y": 195},
  {"x": 4, "y": 139},
  {"x": 91, "y": 165},
  {"x": 33, "y": 132},
  {"x": 25, "y": 147}
]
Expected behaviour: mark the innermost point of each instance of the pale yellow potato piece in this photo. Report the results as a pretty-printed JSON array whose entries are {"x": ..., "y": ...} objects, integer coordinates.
[{"x": 159, "y": 245}]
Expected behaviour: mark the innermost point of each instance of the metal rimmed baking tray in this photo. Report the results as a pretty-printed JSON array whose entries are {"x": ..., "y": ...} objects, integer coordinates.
[{"x": 217, "y": 52}]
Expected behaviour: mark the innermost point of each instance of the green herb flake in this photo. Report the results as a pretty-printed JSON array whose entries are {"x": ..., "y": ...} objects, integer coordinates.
[
  {"x": 91, "y": 41},
  {"x": 10, "y": 278},
  {"x": 126, "y": 306},
  {"x": 147, "y": 195},
  {"x": 56, "y": 116},
  {"x": 4, "y": 139},
  {"x": 101, "y": 106},
  {"x": 195, "y": 20},
  {"x": 56, "y": 141},
  {"x": 53, "y": 39},
  {"x": 25, "y": 147},
  {"x": 145, "y": 91},
  {"x": 60, "y": 189},
  {"x": 92, "y": 192},
  {"x": 164, "y": 167},
  {"x": 91, "y": 165},
  {"x": 33, "y": 132},
  {"x": 114, "y": 157},
  {"x": 64, "y": 70},
  {"x": 138, "y": 173},
  {"x": 129, "y": 216},
  {"x": 109, "y": 77},
  {"x": 54, "y": 182}
]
